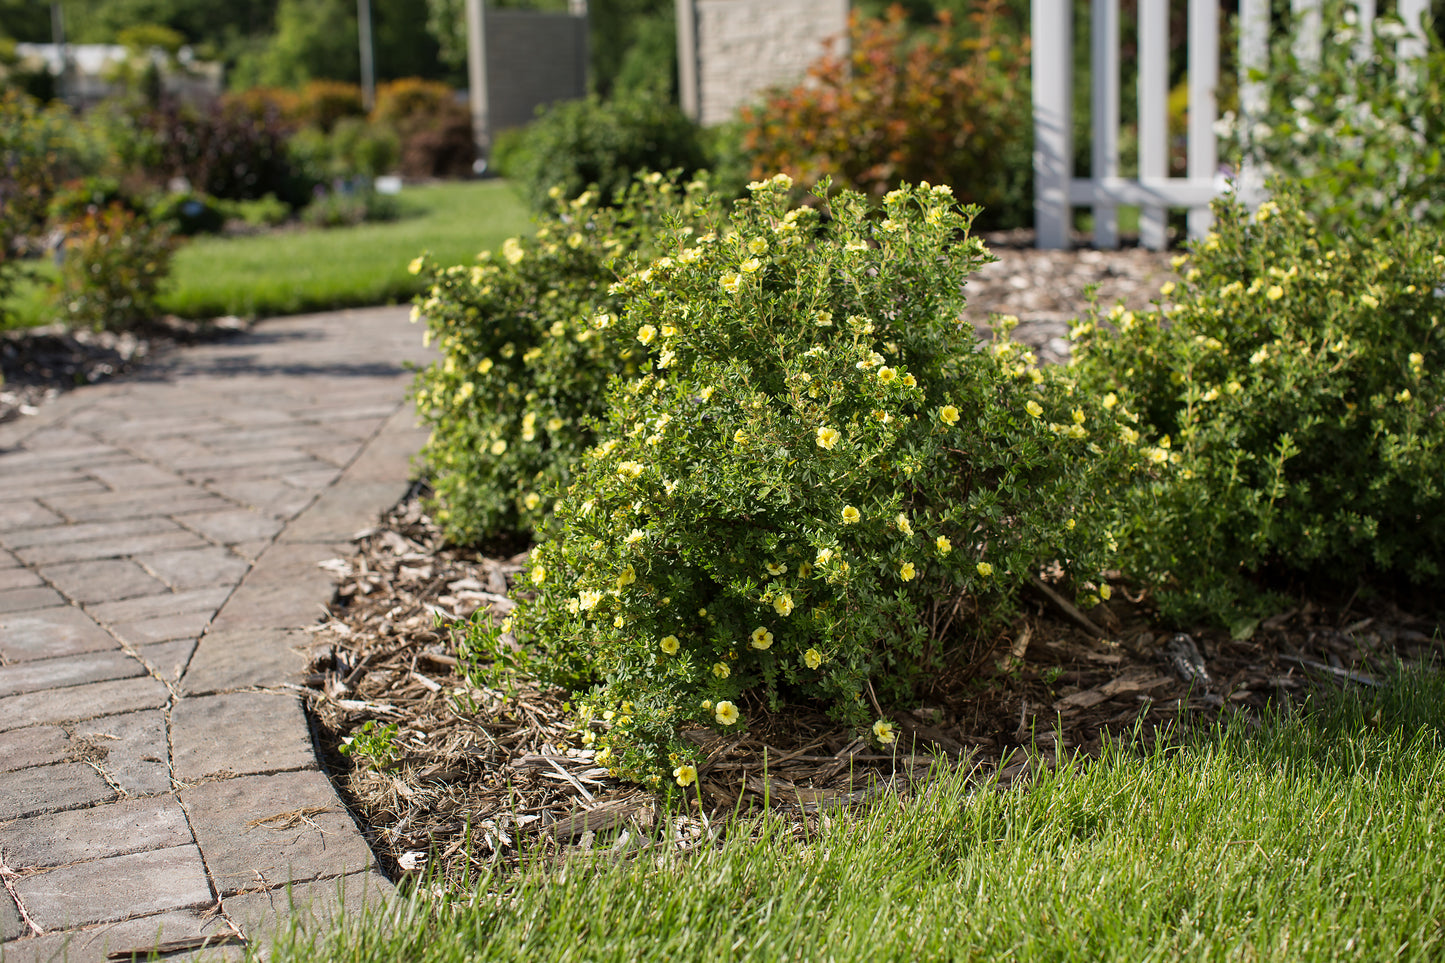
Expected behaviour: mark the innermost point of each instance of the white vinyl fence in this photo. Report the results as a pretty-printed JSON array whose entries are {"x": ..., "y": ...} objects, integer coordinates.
[{"x": 1057, "y": 191}]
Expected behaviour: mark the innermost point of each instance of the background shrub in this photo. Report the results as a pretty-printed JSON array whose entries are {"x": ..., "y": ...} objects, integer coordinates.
[
  {"x": 1291, "y": 397},
  {"x": 818, "y": 486},
  {"x": 523, "y": 368},
  {"x": 326, "y": 103},
  {"x": 1363, "y": 144},
  {"x": 37, "y": 153},
  {"x": 236, "y": 151},
  {"x": 434, "y": 128},
  {"x": 948, "y": 105},
  {"x": 602, "y": 145},
  {"x": 115, "y": 262},
  {"x": 347, "y": 208}
]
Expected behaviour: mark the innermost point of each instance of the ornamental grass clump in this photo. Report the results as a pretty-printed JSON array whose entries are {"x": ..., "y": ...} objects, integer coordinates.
[
  {"x": 1289, "y": 393},
  {"x": 523, "y": 364},
  {"x": 820, "y": 485}
]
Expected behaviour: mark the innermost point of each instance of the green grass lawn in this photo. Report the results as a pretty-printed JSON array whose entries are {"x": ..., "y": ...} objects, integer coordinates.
[
  {"x": 1313, "y": 836},
  {"x": 308, "y": 270}
]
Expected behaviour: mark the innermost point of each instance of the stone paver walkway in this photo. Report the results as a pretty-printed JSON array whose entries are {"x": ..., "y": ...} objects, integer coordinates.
[{"x": 159, "y": 541}]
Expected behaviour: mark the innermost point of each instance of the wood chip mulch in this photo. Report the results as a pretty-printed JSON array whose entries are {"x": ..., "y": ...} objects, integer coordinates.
[{"x": 482, "y": 775}]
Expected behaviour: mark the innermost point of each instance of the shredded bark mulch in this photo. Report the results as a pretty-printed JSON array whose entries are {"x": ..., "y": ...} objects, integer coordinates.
[{"x": 481, "y": 774}]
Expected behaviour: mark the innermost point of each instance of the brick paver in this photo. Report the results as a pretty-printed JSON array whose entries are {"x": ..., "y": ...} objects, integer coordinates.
[{"x": 159, "y": 541}]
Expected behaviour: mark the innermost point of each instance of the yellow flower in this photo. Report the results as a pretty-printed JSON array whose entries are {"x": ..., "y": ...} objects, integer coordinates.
[
  {"x": 883, "y": 732},
  {"x": 512, "y": 251},
  {"x": 731, "y": 283},
  {"x": 685, "y": 775},
  {"x": 776, "y": 568},
  {"x": 1034, "y": 408},
  {"x": 825, "y": 555},
  {"x": 949, "y": 414},
  {"x": 1069, "y": 524},
  {"x": 1167, "y": 289},
  {"x": 1369, "y": 301},
  {"x": 761, "y": 637},
  {"x": 725, "y": 713},
  {"x": 827, "y": 437},
  {"x": 669, "y": 645},
  {"x": 984, "y": 569},
  {"x": 1417, "y": 361},
  {"x": 539, "y": 575},
  {"x": 758, "y": 245},
  {"x": 740, "y": 437},
  {"x": 646, "y": 333},
  {"x": 484, "y": 366},
  {"x": 851, "y": 515},
  {"x": 721, "y": 670},
  {"x": 906, "y": 571},
  {"x": 589, "y": 599},
  {"x": 626, "y": 577},
  {"x": 904, "y": 525},
  {"x": 1403, "y": 396},
  {"x": 1110, "y": 400},
  {"x": 887, "y": 375},
  {"x": 783, "y": 604},
  {"x": 1275, "y": 292},
  {"x": 1105, "y": 591},
  {"x": 498, "y": 447},
  {"x": 812, "y": 658},
  {"x": 750, "y": 266},
  {"x": 943, "y": 545},
  {"x": 417, "y": 263}
]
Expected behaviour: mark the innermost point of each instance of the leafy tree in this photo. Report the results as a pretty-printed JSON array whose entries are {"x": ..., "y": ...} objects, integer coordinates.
[{"x": 314, "y": 39}]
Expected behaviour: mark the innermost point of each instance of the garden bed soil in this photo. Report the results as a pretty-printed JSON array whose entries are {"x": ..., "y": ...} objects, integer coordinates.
[
  {"x": 38, "y": 365},
  {"x": 486, "y": 770}
]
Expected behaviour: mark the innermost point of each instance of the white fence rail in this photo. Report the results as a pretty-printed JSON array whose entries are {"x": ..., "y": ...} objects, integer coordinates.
[{"x": 1057, "y": 191}]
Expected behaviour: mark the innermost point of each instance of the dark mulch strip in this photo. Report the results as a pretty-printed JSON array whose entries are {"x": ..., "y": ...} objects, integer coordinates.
[{"x": 38, "y": 365}]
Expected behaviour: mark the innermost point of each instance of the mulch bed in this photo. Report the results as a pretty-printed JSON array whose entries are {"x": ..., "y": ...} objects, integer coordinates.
[{"x": 483, "y": 775}]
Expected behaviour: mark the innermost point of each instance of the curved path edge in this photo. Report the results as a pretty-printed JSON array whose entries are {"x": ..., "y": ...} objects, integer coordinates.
[{"x": 159, "y": 546}]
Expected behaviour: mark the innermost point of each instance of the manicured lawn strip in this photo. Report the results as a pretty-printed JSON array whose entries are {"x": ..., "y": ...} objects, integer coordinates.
[
  {"x": 1310, "y": 837},
  {"x": 291, "y": 272}
]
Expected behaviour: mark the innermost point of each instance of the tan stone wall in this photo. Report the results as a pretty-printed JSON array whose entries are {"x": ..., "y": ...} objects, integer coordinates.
[{"x": 743, "y": 47}]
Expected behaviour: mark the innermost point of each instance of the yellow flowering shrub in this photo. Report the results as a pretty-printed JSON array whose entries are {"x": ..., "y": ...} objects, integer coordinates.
[
  {"x": 819, "y": 482},
  {"x": 1289, "y": 399},
  {"x": 525, "y": 353}
]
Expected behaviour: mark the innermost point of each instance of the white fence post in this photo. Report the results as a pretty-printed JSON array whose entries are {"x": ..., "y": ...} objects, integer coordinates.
[
  {"x": 1411, "y": 47},
  {"x": 1053, "y": 82},
  {"x": 1203, "y": 78},
  {"x": 1365, "y": 46},
  {"x": 1104, "y": 42},
  {"x": 1307, "y": 24},
  {"x": 1153, "y": 84}
]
